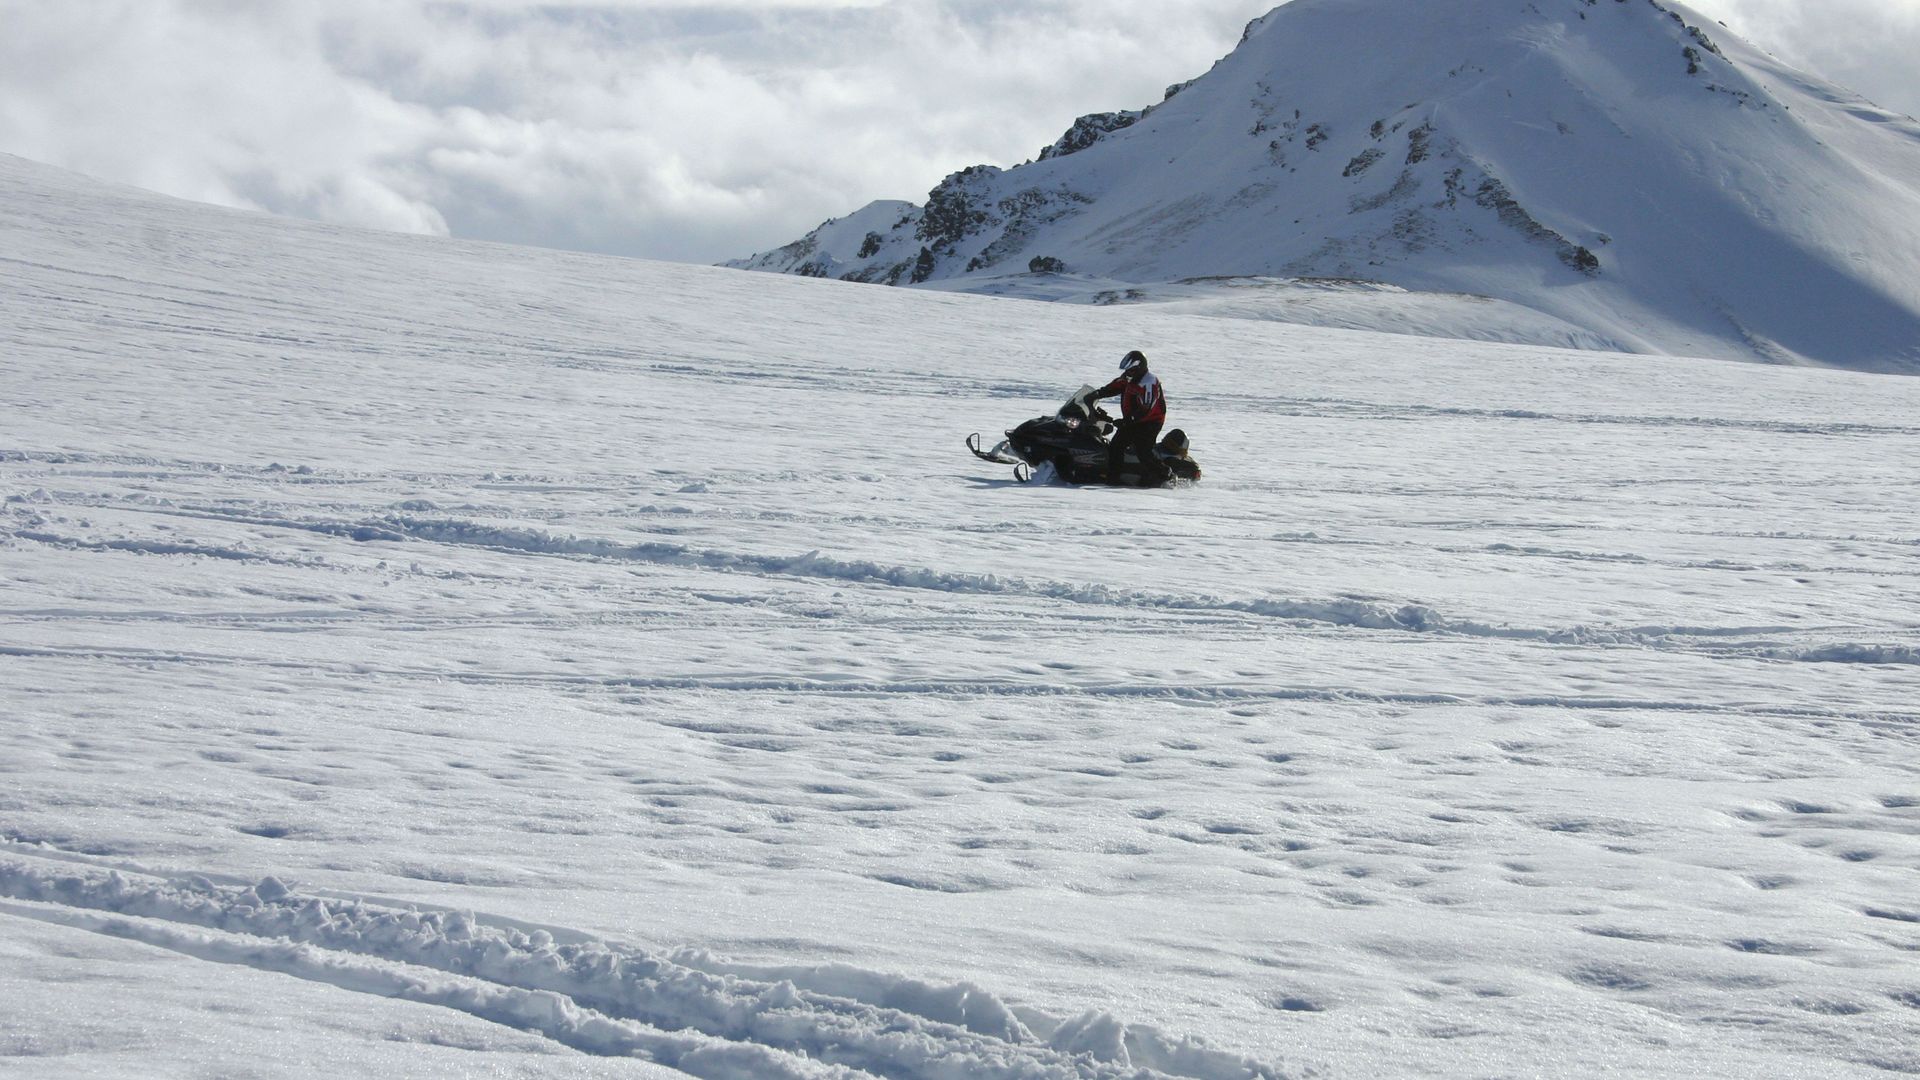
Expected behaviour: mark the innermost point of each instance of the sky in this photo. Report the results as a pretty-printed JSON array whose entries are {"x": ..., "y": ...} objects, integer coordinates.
[{"x": 656, "y": 128}]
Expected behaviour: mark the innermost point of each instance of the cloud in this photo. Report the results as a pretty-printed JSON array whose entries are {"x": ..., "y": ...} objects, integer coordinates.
[
  {"x": 1868, "y": 46},
  {"x": 661, "y": 128},
  {"x": 668, "y": 129}
]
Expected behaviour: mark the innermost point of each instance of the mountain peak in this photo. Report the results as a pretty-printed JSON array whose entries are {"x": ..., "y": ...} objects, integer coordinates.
[{"x": 1609, "y": 163}]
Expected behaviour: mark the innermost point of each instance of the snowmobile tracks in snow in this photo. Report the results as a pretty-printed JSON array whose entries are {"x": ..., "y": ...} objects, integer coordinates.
[
  {"x": 1777, "y": 643},
  {"x": 689, "y": 1010}
]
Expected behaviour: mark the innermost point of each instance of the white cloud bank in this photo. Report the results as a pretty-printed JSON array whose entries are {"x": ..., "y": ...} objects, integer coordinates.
[
  {"x": 1869, "y": 46},
  {"x": 660, "y": 128}
]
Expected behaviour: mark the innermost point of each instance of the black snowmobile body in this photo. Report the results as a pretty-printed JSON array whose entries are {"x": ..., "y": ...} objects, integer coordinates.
[{"x": 1073, "y": 444}]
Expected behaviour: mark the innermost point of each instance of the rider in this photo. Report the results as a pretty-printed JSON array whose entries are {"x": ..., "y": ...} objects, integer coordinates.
[{"x": 1143, "y": 412}]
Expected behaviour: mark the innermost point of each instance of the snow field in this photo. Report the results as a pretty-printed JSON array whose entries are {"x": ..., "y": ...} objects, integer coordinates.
[{"x": 1485, "y": 710}]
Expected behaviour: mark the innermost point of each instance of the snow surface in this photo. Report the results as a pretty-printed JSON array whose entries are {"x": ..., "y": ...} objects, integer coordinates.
[
  {"x": 1343, "y": 304},
  {"x": 425, "y": 658},
  {"x": 1625, "y": 169}
]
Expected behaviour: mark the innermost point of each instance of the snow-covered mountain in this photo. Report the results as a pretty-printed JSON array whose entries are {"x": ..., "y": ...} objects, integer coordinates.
[{"x": 1637, "y": 176}]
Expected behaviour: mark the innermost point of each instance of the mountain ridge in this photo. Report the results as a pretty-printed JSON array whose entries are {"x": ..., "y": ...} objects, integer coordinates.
[{"x": 1624, "y": 167}]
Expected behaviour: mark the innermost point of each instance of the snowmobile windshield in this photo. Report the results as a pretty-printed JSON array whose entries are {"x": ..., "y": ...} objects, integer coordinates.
[{"x": 1079, "y": 404}]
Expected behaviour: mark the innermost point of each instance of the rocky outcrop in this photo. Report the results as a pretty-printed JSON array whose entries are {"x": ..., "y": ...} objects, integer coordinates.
[{"x": 1088, "y": 130}]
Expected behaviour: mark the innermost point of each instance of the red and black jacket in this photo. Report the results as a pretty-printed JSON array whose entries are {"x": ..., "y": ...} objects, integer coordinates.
[{"x": 1140, "y": 402}]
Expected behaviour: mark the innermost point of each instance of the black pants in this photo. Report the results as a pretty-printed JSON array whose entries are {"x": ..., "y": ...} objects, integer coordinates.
[{"x": 1140, "y": 436}]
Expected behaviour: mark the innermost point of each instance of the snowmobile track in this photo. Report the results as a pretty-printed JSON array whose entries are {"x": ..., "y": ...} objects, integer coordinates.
[
  {"x": 689, "y": 1010},
  {"x": 1789, "y": 643}
]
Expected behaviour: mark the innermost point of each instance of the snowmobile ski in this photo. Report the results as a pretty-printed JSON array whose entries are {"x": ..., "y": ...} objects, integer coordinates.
[{"x": 998, "y": 455}]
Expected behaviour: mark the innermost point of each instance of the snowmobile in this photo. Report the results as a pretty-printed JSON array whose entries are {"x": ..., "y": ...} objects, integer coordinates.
[{"x": 1072, "y": 445}]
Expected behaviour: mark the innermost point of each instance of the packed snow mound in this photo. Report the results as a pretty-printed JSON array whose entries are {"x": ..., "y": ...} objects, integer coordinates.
[{"x": 1610, "y": 164}]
